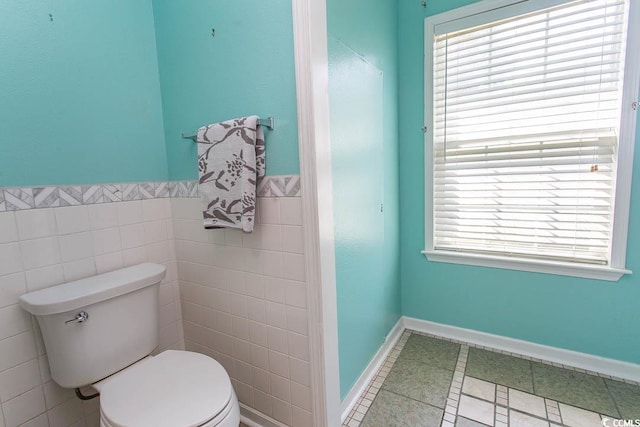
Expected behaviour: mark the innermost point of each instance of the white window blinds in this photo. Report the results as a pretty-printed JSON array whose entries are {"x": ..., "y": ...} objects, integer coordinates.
[{"x": 526, "y": 112}]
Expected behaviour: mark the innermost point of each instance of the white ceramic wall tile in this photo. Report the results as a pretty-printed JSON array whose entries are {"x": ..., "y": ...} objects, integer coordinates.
[
  {"x": 17, "y": 350},
  {"x": 301, "y": 418},
  {"x": 8, "y": 227},
  {"x": 260, "y": 357},
  {"x": 129, "y": 212},
  {"x": 297, "y": 320},
  {"x": 277, "y": 339},
  {"x": 55, "y": 395},
  {"x": 156, "y": 231},
  {"x": 273, "y": 264},
  {"x": 298, "y": 346},
  {"x": 76, "y": 246},
  {"x": 13, "y": 320},
  {"x": 133, "y": 235},
  {"x": 276, "y": 314},
  {"x": 10, "y": 258},
  {"x": 106, "y": 240},
  {"x": 291, "y": 211},
  {"x": 72, "y": 219},
  {"x": 294, "y": 267},
  {"x": 300, "y": 371},
  {"x": 292, "y": 239},
  {"x": 301, "y": 396},
  {"x": 24, "y": 407},
  {"x": 76, "y": 270},
  {"x": 296, "y": 294},
  {"x": 44, "y": 277},
  {"x": 274, "y": 289},
  {"x": 262, "y": 402},
  {"x": 36, "y": 223},
  {"x": 39, "y": 421},
  {"x": 109, "y": 262},
  {"x": 243, "y": 302},
  {"x": 280, "y": 387},
  {"x": 19, "y": 379},
  {"x": 45, "y": 247},
  {"x": 156, "y": 209},
  {"x": 281, "y": 410},
  {"x": 243, "y": 372},
  {"x": 11, "y": 287},
  {"x": 40, "y": 252},
  {"x": 103, "y": 215},
  {"x": 66, "y": 414},
  {"x": 279, "y": 363},
  {"x": 268, "y": 210}
]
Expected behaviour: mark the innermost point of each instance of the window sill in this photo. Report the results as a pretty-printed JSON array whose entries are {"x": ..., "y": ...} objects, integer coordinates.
[{"x": 586, "y": 271}]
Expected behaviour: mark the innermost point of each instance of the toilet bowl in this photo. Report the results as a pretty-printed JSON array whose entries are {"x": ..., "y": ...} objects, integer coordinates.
[
  {"x": 100, "y": 332},
  {"x": 174, "y": 388}
]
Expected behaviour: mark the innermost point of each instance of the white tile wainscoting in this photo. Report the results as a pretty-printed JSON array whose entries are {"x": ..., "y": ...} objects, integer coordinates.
[
  {"x": 48, "y": 246},
  {"x": 244, "y": 302},
  {"x": 244, "y": 295}
]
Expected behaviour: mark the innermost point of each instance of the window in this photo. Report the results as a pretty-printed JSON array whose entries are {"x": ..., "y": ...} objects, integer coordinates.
[{"x": 530, "y": 134}]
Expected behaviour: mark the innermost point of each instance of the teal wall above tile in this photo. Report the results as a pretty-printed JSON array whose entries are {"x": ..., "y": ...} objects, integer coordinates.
[
  {"x": 80, "y": 93},
  {"x": 589, "y": 316},
  {"x": 245, "y": 68}
]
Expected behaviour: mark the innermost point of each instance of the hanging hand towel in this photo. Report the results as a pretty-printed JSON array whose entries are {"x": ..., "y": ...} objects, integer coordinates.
[{"x": 230, "y": 161}]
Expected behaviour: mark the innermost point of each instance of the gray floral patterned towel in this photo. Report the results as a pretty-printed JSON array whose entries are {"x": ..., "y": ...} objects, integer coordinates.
[{"x": 230, "y": 161}]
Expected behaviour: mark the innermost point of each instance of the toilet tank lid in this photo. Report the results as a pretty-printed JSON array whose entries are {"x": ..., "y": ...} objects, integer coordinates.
[{"x": 81, "y": 293}]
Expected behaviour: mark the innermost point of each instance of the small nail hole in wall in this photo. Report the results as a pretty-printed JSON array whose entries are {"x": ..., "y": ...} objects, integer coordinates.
[
  {"x": 213, "y": 32},
  {"x": 51, "y": 17}
]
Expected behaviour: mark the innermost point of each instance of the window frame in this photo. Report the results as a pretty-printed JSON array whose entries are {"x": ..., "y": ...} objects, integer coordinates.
[{"x": 626, "y": 142}]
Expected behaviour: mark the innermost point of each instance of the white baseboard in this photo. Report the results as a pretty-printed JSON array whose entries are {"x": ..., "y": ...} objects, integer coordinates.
[
  {"x": 367, "y": 375},
  {"x": 610, "y": 367},
  {"x": 254, "y": 418}
]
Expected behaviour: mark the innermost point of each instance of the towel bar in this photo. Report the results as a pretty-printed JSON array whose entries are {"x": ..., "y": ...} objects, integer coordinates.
[{"x": 269, "y": 123}]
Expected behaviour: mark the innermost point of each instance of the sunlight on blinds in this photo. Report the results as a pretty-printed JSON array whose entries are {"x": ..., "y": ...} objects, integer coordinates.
[{"x": 526, "y": 112}]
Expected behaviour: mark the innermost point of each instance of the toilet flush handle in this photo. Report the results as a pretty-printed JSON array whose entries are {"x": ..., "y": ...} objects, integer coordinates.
[{"x": 80, "y": 317}]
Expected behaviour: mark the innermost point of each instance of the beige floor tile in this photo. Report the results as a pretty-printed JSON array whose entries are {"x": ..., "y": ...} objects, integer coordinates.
[
  {"x": 518, "y": 419},
  {"x": 476, "y": 409},
  {"x": 479, "y": 388},
  {"x": 528, "y": 403},
  {"x": 576, "y": 417}
]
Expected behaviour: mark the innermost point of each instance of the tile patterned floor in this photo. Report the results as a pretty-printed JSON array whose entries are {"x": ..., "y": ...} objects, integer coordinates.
[{"x": 427, "y": 381}]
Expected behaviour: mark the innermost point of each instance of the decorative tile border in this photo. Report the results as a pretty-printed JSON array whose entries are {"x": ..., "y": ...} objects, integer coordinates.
[
  {"x": 453, "y": 400},
  {"x": 279, "y": 186},
  {"x": 21, "y": 198}
]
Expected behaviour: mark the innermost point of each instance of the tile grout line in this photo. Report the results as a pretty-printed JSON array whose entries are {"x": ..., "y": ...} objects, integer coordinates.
[
  {"x": 453, "y": 399},
  {"x": 502, "y": 406},
  {"x": 359, "y": 410},
  {"x": 529, "y": 358},
  {"x": 553, "y": 411}
]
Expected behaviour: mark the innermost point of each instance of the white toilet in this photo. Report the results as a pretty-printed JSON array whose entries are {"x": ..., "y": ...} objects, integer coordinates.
[{"x": 100, "y": 331}]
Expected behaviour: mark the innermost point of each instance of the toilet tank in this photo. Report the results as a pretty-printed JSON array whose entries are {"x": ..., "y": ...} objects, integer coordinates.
[{"x": 121, "y": 323}]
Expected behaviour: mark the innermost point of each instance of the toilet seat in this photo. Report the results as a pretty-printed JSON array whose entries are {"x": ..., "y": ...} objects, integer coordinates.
[{"x": 173, "y": 389}]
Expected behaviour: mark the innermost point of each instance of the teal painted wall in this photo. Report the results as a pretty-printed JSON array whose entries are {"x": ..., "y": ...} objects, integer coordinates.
[
  {"x": 363, "y": 99},
  {"x": 595, "y": 317},
  {"x": 80, "y": 93},
  {"x": 247, "y": 68}
]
